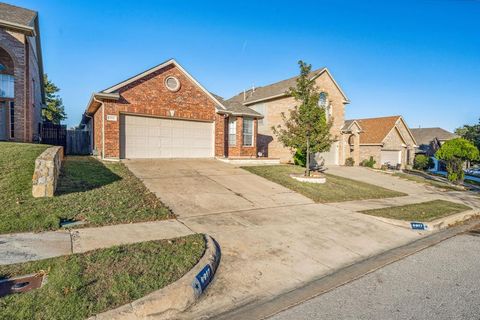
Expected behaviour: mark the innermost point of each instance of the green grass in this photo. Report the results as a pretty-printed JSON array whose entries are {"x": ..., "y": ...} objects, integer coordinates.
[
  {"x": 99, "y": 193},
  {"x": 82, "y": 285},
  {"x": 419, "y": 179},
  {"x": 424, "y": 211},
  {"x": 336, "y": 189}
]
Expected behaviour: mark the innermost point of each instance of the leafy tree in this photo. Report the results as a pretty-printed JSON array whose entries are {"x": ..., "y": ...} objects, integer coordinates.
[
  {"x": 455, "y": 152},
  {"x": 422, "y": 162},
  {"x": 306, "y": 129},
  {"x": 471, "y": 133},
  {"x": 54, "y": 111}
]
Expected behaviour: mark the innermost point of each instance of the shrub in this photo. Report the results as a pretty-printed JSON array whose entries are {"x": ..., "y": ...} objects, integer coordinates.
[
  {"x": 368, "y": 163},
  {"x": 300, "y": 158},
  {"x": 422, "y": 162},
  {"x": 349, "y": 162}
]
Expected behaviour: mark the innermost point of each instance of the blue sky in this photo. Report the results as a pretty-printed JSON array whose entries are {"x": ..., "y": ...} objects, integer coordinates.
[{"x": 420, "y": 59}]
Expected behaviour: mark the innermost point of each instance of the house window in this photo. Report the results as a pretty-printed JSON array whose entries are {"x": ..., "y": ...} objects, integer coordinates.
[
  {"x": 172, "y": 83},
  {"x": 6, "y": 86},
  {"x": 322, "y": 100},
  {"x": 232, "y": 132},
  {"x": 12, "y": 119},
  {"x": 248, "y": 132},
  {"x": 32, "y": 93}
]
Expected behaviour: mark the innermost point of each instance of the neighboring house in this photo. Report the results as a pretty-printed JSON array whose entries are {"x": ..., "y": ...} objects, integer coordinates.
[
  {"x": 22, "y": 94},
  {"x": 165, "y": 113},
  {"x": 272, "y": 100},
  {"x": 429, "y": 140},
  {"x": 386, "y": 139}
]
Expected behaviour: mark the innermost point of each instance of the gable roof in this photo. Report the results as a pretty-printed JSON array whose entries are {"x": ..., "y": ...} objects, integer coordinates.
[
  {"x": 347, "y": 125},
  {"x": 375, "y": 130},
  {"x": 114, "y": 88},
  {"x": 17, "y": 18},
  {"x": 277, "y": 89},
  {"x": 427, "y": 135},
  {"x": 238, "y": 109}
]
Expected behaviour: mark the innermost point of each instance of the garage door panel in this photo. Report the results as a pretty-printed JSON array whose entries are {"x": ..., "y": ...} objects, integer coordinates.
[
  {"x": 146, "y": 137},
  {"x": 392, "y": 157}
]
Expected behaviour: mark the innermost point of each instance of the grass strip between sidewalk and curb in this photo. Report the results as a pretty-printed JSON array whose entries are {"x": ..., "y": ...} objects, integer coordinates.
[
  {"x": 90, "y": 190},
  {"x": 423, "y": 211},
  {"x": 335, "y": 189},
  {"x": 82, "y": 285}
]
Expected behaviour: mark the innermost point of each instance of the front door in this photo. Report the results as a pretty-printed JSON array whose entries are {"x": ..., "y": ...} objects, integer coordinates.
[{"x": 3, "y": 120}]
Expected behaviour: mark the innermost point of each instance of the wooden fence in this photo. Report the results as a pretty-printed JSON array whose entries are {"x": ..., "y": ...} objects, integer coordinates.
[
  {"x": 75, "y": 142},
  {"x": 54, "y": 134},
  {"x": 78, "y": 142}
]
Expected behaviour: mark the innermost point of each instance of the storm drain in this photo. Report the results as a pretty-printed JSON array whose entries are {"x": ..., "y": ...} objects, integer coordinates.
[{"x": 21, "y": 284}]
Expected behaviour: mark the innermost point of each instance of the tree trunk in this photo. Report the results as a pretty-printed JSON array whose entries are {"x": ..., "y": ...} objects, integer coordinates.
[{"x": 307, "y": 162}]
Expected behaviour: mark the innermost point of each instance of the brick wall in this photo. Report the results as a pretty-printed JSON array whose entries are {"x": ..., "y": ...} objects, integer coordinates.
[
  {"x": 367, "y": 151},
  {"x": 14, "y": 44},
  {"x": 239, "y": 150},
  {"x": 149, "y": 96}
]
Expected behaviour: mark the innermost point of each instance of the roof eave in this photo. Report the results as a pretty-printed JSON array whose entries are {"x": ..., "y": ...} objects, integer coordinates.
[
  {"x": 27, "y": 30},
  {"x": 96, "y": 100}
]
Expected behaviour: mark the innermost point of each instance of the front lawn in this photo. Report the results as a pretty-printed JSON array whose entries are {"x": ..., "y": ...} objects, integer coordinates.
[
  {"x": 82, "y": 285},
  {"x": 336, "y": 189},
  {"x": 424, "y": 211},
  {"x": 98, "y": 193}
]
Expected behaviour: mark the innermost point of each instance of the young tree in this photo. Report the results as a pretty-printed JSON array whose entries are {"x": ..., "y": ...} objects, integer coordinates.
[
  {"x": 471, "y": 133},
  {"x": 54, "y": 111},
  {"x": 306, "y": 128},
  {"x": 455, "y": 152}
]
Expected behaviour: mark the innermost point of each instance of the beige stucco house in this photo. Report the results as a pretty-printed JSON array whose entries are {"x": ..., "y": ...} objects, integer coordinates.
[{"x": 272, "y": 100}]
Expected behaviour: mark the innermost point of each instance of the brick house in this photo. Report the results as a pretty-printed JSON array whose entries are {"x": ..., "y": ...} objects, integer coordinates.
[
  {"x": 386, "y": 139},
  {"x": 271, "y": 100},
  {"x": 165, "y": 113},
  {"x": 22, "y": 94}
]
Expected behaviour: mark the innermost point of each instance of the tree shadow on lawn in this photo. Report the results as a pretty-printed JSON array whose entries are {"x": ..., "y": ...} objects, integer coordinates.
[{"x": 80, "y": 174}]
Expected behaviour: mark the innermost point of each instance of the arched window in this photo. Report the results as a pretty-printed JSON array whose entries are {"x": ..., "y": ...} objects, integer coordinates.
[{"x": 2, "y": 67}]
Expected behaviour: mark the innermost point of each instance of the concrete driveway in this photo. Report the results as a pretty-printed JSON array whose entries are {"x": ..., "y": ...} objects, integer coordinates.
[
  {"x": 272, "y": 239},
  {"x": 204, "y": 186}
]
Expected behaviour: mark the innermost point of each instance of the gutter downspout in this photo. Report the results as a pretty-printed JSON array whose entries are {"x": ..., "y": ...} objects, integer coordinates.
[
  {"x": 103, "y": 126},
  {"x": 90, "y": 129}
]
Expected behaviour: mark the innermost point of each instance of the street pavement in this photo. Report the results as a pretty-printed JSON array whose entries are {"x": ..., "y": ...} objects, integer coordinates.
[{"x": 441, "y": 282}]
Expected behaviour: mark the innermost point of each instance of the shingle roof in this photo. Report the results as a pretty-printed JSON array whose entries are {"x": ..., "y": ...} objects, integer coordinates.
[
  {"x": 374, "y": 130},
  {"x": 17, "y": 15},
  {"x": 426, "y": 135},
  {"x": 347, "y": 124},
  {"x": 237, "y": 108},
  {"x": 274, "y": 89}
]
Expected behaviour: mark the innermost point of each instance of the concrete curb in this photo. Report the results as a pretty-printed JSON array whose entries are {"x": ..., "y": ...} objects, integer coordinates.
[
  {"x": 169, "y": 301},
  {"x": 435, "y": 225}
]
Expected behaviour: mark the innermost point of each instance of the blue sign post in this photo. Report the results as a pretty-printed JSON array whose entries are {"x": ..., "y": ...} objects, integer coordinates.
[{"x": 418, "y": 226}]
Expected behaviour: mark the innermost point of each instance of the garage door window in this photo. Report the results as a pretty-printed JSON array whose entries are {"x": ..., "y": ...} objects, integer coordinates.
[
  {"x": 248, "y": 132},
  {"x": 232, "y": 132}
]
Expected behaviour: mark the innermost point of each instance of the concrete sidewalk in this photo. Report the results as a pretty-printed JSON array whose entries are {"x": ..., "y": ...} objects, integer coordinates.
[{"x": 22, "y": 247}]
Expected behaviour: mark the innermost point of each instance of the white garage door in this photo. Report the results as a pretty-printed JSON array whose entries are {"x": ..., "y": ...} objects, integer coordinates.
[
  {"x": 392, "y": 157},
  {"x": 330, "y": 157},
  {"x": 144, "y": 137}
]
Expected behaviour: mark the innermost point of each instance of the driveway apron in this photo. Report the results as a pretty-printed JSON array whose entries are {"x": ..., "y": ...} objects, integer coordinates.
[{"x": 272, "y": 239}]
